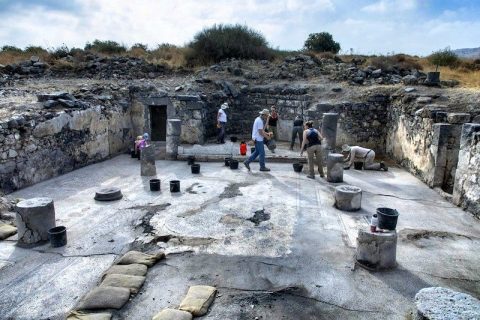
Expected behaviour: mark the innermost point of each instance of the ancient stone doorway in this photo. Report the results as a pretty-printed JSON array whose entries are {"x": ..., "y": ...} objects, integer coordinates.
[{"x": 158, "y": 123}]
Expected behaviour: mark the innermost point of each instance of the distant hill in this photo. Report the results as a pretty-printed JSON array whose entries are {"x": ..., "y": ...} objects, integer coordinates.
[{"x": 468, "y": 52}]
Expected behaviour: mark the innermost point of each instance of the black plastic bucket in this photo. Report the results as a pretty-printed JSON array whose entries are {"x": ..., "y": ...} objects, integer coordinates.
[
  {"x": 154, "y": 184},
  {"x": 227, "y": 161},
  {"x": 175, "y": 186},
  {"x": 233, "y": 164},
  {"x": 195, "y": 168},
  {"x": 190, "y": 160},
  {"x": 358, "y": 165},
  {"x": 387, "y": 218},
  {"x": 297, "y": 167},
  {"x": 57, "y": 236}
]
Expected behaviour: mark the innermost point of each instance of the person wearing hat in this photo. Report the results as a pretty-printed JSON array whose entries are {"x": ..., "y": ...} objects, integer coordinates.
[
  {"x": 258, "y": 135},
  {"x": 221, "y": 122},
  {"x": 312, "y": 140},
  {"x": 356, "y": 153}
]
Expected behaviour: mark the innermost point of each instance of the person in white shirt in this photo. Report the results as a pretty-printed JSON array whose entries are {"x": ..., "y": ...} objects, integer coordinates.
[
  {"x": 221, "y": 122},
  {"x": 356, "y": 153},
  {"x": 258, "y": 134}
]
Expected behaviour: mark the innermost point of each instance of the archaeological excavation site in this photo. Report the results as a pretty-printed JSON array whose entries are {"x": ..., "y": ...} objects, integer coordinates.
[{"x": 124, "y": 194}]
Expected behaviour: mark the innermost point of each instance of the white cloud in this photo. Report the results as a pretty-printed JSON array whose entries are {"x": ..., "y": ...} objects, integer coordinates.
[
  {"x": 384, "y": 6},
  {"x": 285, "y": 23}
]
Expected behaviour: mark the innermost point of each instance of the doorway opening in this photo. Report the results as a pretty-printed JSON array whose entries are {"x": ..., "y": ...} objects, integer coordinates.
[{"x": 158, "y": 123}]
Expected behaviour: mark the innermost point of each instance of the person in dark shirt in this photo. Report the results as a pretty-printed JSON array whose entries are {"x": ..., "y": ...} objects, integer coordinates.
[
  {"x": 297, "y": 131},
  {"x": 272, "y": 122},
  {"x": 312, "y": 140}
]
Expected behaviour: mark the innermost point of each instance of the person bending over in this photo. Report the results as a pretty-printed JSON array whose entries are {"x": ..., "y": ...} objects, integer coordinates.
[{"x": 356, "y": 153}]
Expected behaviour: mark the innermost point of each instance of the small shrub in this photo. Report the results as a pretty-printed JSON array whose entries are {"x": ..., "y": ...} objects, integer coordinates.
[
  {"x": 321, "y": 42},
  {"x": 444, "y": 58},
  {"x": 228, "y": 41},
  {"x": 106, "y": 47},
  {"x": 60, "y": 52},
  {"x": 141, "y": 46},
  {"x": 11, "y": 49},
  {"x": 35, "y": 50}
]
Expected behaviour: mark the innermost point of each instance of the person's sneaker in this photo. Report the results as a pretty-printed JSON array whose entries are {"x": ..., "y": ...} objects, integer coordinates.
[
  {"x": 247, "y": 165},
  {"x": 383, "y": 166},
  {"x": 311, "y": 177},
  {"x": 264, "y": 169}
]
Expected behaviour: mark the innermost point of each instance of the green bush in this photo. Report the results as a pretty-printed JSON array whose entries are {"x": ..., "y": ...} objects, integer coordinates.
[
  {"x": 107, "y": 47},
  {"x": 444, "y": 58},
  {"x": 35, "y": 50},
  {"x": 321, "y": 42},
  {"x": 140, "y": 46},
  {"x": 227, "y": 41},
  {"x": 11, "y": 49},
  {"x": 60, "y": 52}
]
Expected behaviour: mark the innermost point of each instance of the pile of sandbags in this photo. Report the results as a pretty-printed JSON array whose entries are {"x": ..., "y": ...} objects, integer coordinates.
[{"x": 121, "y": 280}]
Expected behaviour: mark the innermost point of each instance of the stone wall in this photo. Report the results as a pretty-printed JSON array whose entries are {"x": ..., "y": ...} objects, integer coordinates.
[
  {"x": 359, "y": 123},
  {"x": 466, "y": 191},
  {"x": 425, "y": 139},
  {"x": 36, "y": 148},
  {"x": 363, "y": 124}
]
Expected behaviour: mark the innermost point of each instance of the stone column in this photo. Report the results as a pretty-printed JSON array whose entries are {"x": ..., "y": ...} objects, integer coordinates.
[
  {"x": 466, "y": 190},
  {"x": 147, "y": 165},
  {"x": 438, "y": 149},
  {"x": 377, "y": 250},
  {"x": 174, "y": 129},
  {"x": 34, "y": 218},
  {"x": 329, "y": 130},
  {"x": 335, "y": 167}
]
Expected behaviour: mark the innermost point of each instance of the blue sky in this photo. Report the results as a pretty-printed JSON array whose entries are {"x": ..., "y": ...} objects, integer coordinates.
[{"x": 361, "y": 26}]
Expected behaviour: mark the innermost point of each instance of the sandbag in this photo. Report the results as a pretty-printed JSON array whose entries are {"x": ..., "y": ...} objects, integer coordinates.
[
  {"x": 172, "y": 314},
  {"x": 104, "y": 297},
  {"x": 78, "y": 315},
  {"x": 6, "y": 231},
  {"x": 198, "y": 300},
  {"x": 141, "y": 258},
  {"x": 133, "y": 283},
  {"x": 134, "y": 269}
]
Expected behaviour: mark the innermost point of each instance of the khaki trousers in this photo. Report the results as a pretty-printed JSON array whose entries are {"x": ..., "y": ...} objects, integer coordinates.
[{"x": 315, "y": 152}]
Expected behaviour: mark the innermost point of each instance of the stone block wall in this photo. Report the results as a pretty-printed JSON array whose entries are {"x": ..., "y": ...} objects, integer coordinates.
[
  {"x": 466, "y": 192},
  {"x": 359, "y": 123},
  {"x": 36, "y": 148},
  {"x": 363, "y": 124},
  {"x": 425, "y": 139}
]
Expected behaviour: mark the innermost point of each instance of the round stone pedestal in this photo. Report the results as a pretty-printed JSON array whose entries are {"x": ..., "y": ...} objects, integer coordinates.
[
  {"x": 335, "y": 167},
  {"x": 437, "y": 303},
  {"x": 376, "y": 251},
  {"x": 348, "y": 198},
  {"x": 34, "y": 218}
]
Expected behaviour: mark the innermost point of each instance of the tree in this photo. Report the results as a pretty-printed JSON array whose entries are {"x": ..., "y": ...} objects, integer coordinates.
[
  {"x": 321, "y": 42},
  {"x": 444, "y": 58}
]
